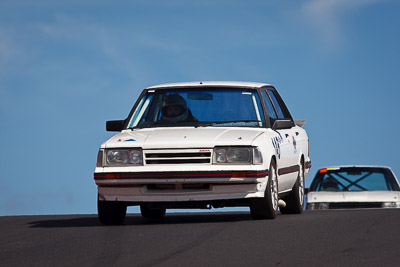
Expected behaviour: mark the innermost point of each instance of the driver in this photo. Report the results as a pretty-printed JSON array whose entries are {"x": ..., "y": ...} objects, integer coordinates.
[
  {"x": 330, "y": 184},
  {"x": 175, "y": 109}
]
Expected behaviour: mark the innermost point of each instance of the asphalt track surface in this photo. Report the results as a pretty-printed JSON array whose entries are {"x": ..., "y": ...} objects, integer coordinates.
[{"x": 314, "y": 238}]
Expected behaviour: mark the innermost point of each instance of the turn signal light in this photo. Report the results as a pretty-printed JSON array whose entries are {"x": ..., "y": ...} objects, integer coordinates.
[
  {"x": 113, "y": 176},
  {"x": 239, "y": 174}
]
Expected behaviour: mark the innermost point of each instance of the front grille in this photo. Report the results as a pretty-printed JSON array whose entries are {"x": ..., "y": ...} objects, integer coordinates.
[
  {"x": 177, "y": 157},
  {"x": 355, "y": 205}
]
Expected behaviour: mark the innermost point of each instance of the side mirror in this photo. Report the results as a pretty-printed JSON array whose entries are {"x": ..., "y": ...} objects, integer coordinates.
[
  {"x": 282, "y": 124},
  {"x": 115, "y": 126}
]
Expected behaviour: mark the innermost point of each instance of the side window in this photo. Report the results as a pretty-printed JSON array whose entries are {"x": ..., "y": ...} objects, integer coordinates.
[
  {"x": 270, "y": 108},
  {"x": 276, "y": 104},
  {"x": 141, "y": 111}
]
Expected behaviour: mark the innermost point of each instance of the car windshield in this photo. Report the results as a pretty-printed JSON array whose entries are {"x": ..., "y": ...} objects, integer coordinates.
[
  {"x": 354, "y": 179},
  {"x": 200, "y": 107}
]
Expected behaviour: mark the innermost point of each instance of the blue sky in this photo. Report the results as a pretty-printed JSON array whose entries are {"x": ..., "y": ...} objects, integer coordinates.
[{"x": 68, "y": 66}]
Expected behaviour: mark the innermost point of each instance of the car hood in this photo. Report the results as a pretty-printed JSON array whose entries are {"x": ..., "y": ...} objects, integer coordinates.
[
  {"x": 183, "y": 137},
  {"x": 364, "y": 196}
]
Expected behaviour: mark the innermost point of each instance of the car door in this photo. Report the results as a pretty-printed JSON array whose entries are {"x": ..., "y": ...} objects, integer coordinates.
[{"x": 287, "y": 158}]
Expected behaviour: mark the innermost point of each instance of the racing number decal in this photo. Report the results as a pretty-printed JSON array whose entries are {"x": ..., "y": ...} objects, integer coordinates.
[
  {"x": 276, "y": 141},
  {"x": 294, "y": 145}
]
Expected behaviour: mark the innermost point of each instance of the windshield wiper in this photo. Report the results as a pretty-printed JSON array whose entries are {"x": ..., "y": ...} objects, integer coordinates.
[
  {"x": 229, "y": 123},
  {"x": 204, "y": 124},
  {"x": 174, "y": 123},
  {"x": 137, "y": 128},
  {"x": 235, "y": 121},
  {"x": 195, "y": 123},
  {"x": 141, "y": 126}
]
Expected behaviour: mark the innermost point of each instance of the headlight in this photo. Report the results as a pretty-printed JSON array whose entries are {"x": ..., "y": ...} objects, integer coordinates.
[
  {"x": 99, "y": 162},
  {"x": 124, "y": 157},
  {"x": 391, "y": 205},
  {"x": 257, "y": 156},
  {"x": 237, "y": 155}
]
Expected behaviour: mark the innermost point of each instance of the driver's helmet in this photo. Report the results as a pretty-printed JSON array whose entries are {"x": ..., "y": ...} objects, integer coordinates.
[
  {"x": 330, "y": 184},
  {"x": 174, "y": 108}
]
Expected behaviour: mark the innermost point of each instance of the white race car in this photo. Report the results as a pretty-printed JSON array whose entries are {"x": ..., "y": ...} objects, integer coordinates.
[
  {"x": 203, "y": 145},
  {"x": 346, "y": 187}
]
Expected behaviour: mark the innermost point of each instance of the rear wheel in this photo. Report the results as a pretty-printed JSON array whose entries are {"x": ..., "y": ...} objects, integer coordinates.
[
  {"x": 150, "y": 212},
  {"x": 267, "y": 207},
  {"x": 295, "y": 201},
  {"x": 111, "y": 212}
]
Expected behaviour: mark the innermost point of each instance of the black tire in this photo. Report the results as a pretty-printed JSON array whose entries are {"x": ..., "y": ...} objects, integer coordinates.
[
  {"x": 149, "y": 212},
  {"x": 295, "y": 201},
  {"x": 111, "y": 212},
  {"x": 267, "y": 207}
]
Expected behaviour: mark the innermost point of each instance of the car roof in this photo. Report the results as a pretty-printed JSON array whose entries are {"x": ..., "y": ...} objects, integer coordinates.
[
  {"x": 210, "y": 84},
  {"x": 356, "y": 166}
]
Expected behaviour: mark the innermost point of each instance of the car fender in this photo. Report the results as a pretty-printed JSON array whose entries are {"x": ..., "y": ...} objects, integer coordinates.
[{"x": 268, "y": 146}]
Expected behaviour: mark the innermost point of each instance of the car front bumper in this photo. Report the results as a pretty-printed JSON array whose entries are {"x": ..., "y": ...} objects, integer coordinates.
[
  {"x": 148, "y": 194},
  {"x": 352, "y": 205},
  {"x": 180, "y": 187}
]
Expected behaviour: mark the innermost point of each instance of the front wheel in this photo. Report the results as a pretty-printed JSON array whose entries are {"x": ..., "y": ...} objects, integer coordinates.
[
  {"x": 111, "y": 212},
  {"x": 267, "y": 207},
  {"x": 295, "y": 201}
]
